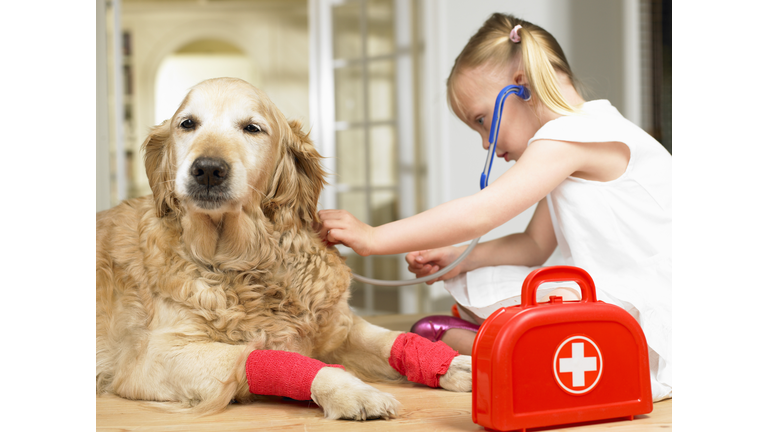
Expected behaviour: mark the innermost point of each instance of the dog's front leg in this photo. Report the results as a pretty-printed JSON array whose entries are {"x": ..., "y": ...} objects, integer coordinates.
[
  {"x": 369, "y": 348},
  {"x": 172, "y": 368},
  {"x": 342, "y": 395}
]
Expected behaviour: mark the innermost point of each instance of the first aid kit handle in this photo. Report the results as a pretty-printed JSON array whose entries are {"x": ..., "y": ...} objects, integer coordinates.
[{"x": 557, "y": 274}]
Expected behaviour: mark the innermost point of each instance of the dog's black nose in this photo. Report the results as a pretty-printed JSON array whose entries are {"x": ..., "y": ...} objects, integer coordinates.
[{"x": 209, "y": 171}]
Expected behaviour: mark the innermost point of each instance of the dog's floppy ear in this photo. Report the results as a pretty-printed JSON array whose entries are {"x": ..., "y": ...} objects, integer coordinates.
[
  {"x": 298, "y": 180},
  {"x": 158, "y": 161}
]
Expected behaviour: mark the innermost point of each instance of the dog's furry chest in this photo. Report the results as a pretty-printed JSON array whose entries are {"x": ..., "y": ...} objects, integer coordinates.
[
  {"x": 293, "y": 291},
  {"x": 278, "y": 305}
]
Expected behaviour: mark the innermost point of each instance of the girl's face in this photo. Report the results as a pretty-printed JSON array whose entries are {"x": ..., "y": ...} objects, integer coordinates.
[{"x": 476, "y": 91}]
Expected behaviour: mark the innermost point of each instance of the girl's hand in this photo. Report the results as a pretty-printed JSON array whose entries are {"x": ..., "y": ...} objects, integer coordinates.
[
  {"x": 339, "y": 226},
  {"x": 427, "y": 262}
]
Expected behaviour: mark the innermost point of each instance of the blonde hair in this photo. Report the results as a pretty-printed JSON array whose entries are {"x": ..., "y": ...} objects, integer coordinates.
[{"x": 539, "y": 52}]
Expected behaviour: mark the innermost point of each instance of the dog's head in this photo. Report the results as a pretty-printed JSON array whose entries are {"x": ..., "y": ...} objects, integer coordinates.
[{"x": 228, "y": 147}]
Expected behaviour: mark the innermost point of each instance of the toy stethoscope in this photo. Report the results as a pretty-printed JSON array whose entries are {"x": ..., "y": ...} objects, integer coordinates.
[{"x": 524, "y": 94}]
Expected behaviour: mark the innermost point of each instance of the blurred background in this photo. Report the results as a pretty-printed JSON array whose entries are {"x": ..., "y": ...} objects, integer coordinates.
[{"x": 367, "y": 77}]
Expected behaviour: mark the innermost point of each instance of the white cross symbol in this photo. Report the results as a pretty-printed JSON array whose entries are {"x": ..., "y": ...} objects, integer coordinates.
[{"x": 578, "y": 364}]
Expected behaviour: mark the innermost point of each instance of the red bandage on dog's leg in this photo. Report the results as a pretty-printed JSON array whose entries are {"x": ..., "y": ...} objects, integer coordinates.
[
  {"x": 282, "y": 373},
  {"x": 420, "y": 359}
]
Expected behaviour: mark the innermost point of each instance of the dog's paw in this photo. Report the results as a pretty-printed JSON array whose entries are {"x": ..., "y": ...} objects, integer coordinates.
[
  {"x": 342, "y": 395},
  {"x": 459, "y": 375}
]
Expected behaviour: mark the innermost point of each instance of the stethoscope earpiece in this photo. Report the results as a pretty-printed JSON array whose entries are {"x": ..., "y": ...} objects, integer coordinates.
[{"x": 524, "y": 93}]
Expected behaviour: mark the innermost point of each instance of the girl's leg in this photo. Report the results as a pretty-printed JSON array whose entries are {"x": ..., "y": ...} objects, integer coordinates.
[
  {"x": 460, "y": 339},
  {"x": 566, "y": 293}
]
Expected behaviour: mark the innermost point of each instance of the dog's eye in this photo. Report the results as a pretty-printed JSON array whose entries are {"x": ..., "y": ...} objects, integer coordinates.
[
  {"x": 252, "y": 128},
  {"x": 187, "y": 124}
]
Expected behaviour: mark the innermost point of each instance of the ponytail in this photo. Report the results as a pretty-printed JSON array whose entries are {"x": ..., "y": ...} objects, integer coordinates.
[{"x": 541, "y": 74}]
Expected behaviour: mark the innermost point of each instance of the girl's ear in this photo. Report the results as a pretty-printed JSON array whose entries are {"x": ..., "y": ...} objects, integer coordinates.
[
  {"x": 518, "y": 78},
  {"x": 158, "y": 161},
  {"x": 298, "y": 180}
]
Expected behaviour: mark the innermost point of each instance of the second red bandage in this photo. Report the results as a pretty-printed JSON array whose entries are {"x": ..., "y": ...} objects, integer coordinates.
[
  {"x": 282, "y": 373},
  {"x": 420, "y": 359}
]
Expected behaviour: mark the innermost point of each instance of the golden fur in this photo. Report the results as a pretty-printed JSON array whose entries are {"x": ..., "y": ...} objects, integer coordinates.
[{"x": 186, "y": 288}]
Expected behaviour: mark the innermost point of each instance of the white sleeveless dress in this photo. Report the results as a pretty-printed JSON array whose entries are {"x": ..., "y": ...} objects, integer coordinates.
[{"x": 619, "y": 231}]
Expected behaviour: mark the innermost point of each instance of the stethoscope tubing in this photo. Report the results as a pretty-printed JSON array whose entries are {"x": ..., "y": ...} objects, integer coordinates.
[{"x": 428, "y": 278}]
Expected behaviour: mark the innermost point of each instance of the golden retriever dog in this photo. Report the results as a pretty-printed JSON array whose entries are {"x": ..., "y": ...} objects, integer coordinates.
[{"x": 222, "y": 259}]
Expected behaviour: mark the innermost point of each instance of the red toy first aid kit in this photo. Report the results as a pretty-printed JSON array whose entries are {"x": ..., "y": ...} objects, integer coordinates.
[{"x": 559, "y": 362}]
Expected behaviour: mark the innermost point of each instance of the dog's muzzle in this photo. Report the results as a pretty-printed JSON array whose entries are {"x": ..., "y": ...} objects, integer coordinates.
[{"x": 208, "y": 185}]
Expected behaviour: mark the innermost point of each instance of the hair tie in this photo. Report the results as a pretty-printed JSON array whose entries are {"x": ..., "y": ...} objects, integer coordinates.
[{"x": 513, "y": 34}]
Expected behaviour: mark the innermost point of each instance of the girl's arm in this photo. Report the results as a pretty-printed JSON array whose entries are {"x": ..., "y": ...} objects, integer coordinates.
[
  {"x": 530, "y": 248},
  {"x": 543, "y": 166}
]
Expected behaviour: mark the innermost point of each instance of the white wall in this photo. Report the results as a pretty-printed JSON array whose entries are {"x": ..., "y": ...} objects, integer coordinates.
[{"x": 592, "y": 35}]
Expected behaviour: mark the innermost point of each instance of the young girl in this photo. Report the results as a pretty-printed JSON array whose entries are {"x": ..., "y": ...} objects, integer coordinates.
[{"x": 603, "y": 188}]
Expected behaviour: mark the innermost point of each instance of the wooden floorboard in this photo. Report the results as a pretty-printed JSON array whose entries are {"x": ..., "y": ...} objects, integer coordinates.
[{"x": 423, "y": 409}]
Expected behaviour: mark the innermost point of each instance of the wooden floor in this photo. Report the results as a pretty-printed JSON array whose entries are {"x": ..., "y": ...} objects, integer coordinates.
[{"x": 423, "y": 409}]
